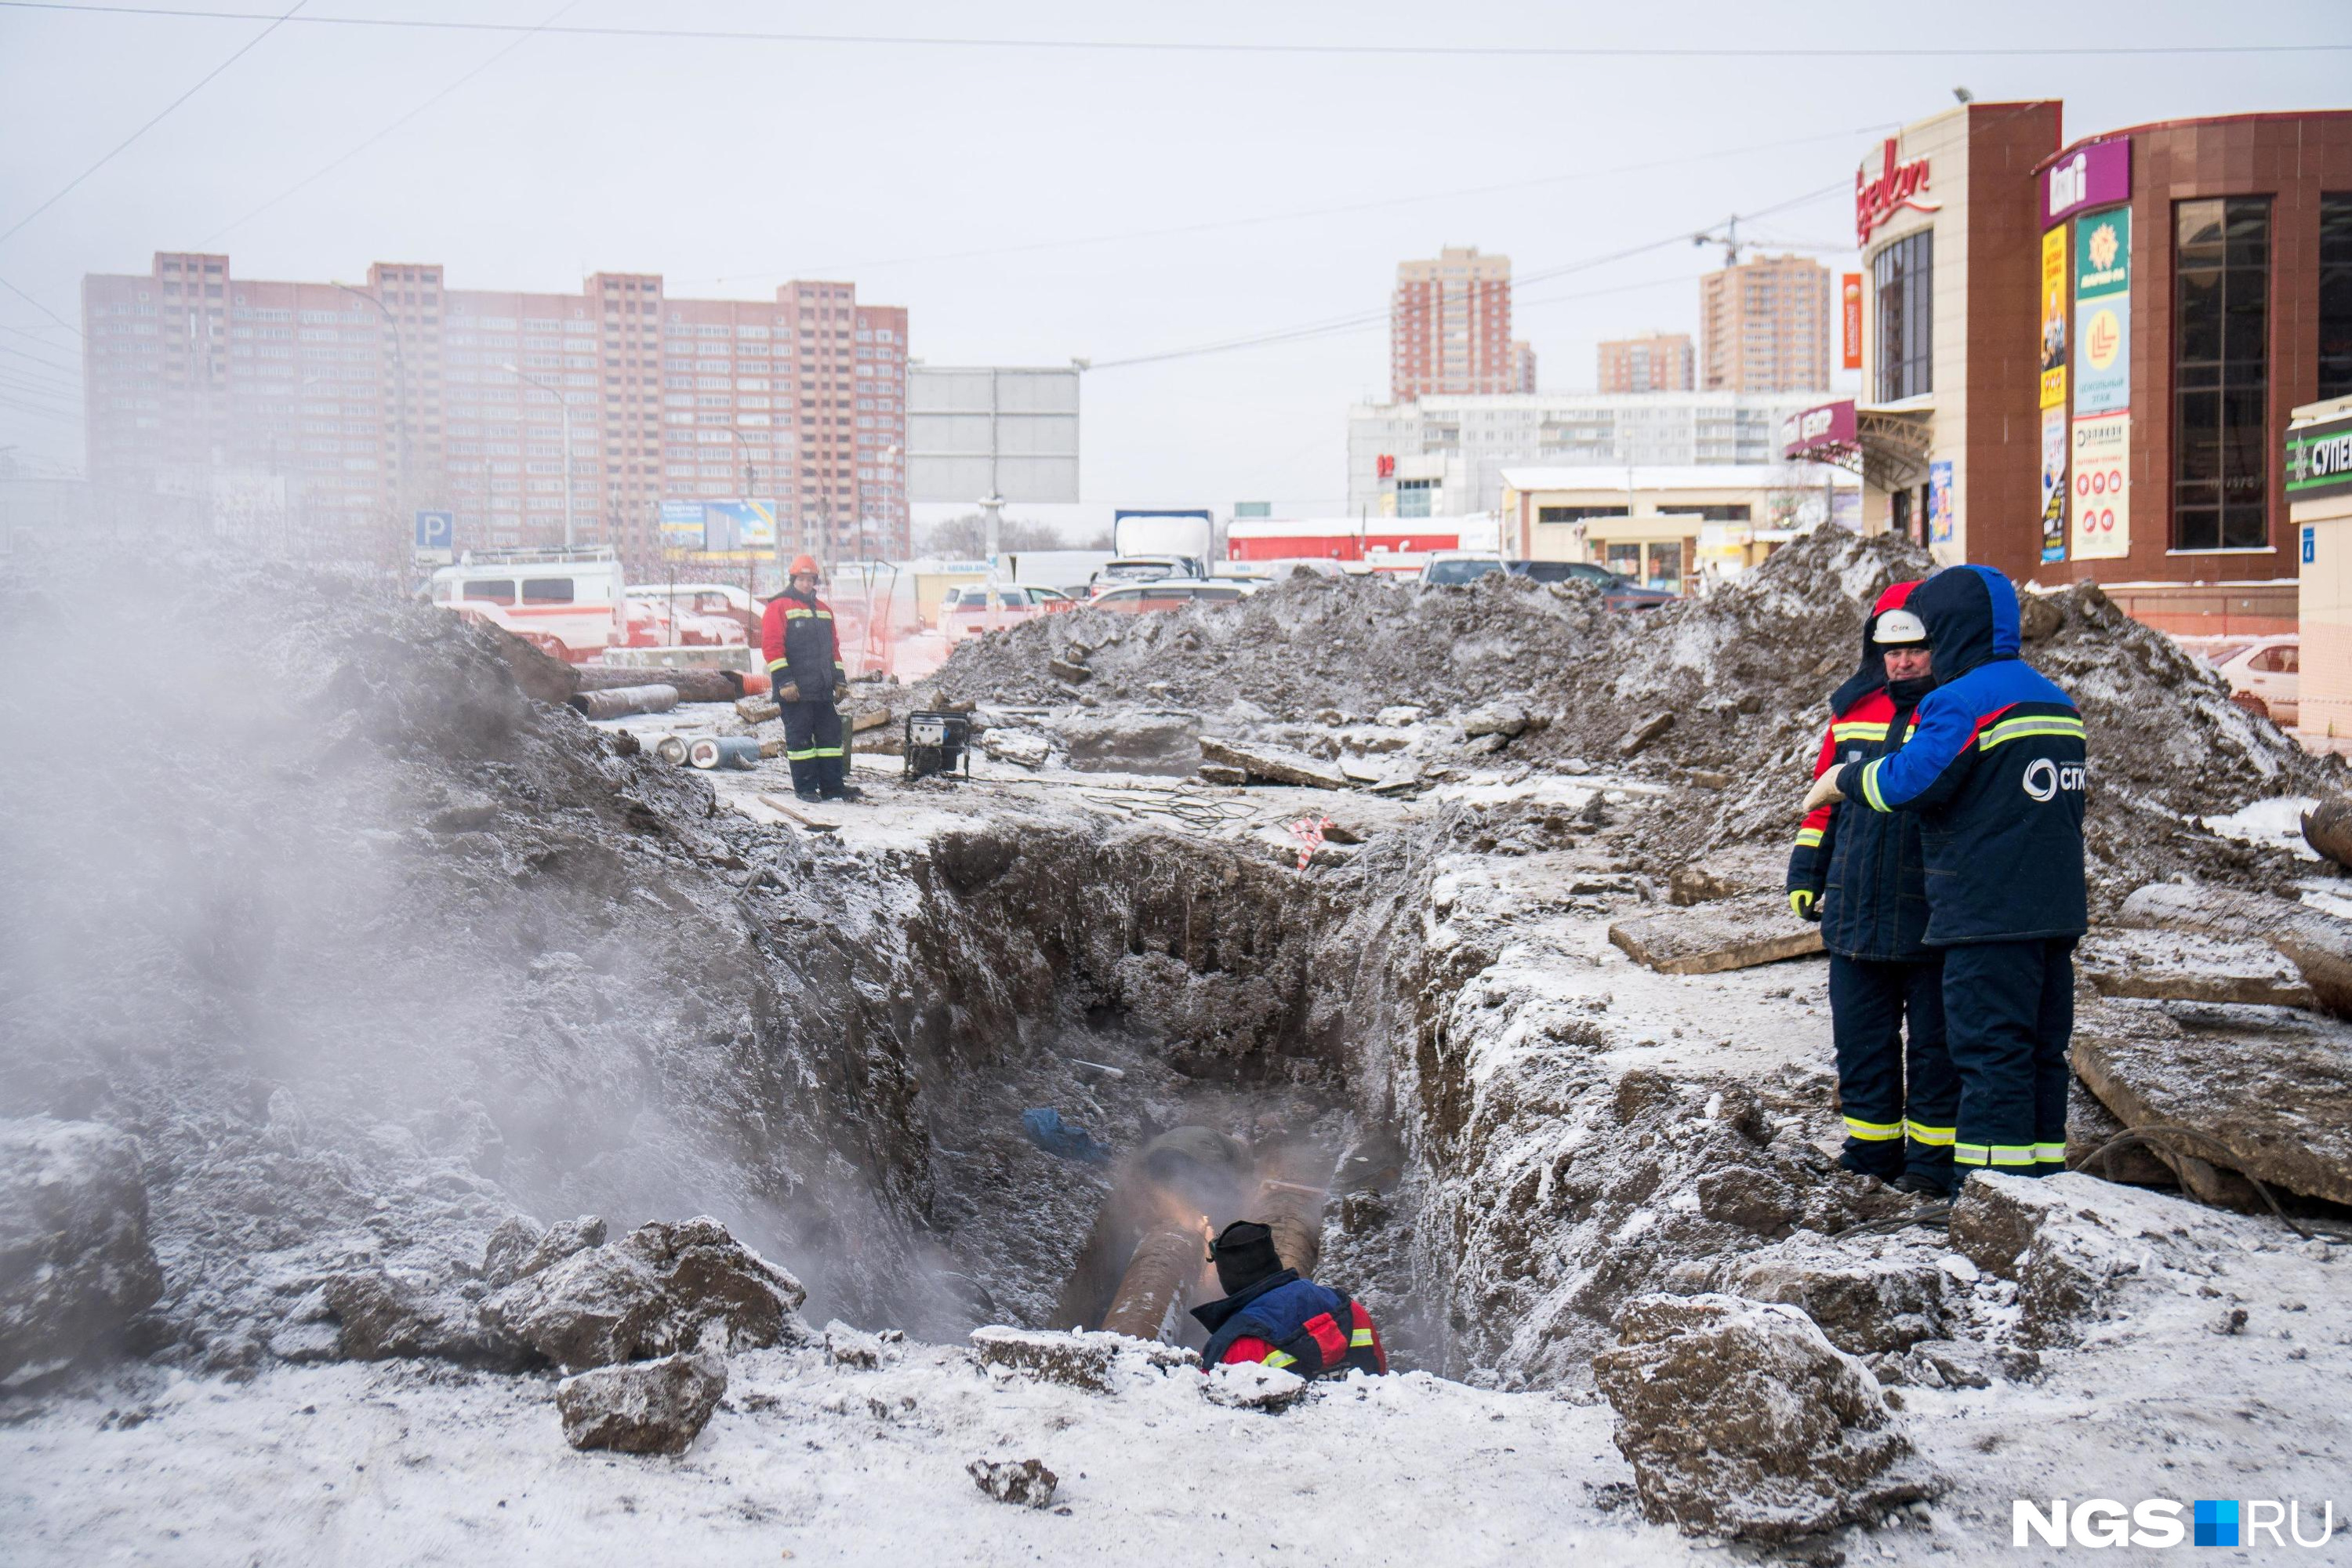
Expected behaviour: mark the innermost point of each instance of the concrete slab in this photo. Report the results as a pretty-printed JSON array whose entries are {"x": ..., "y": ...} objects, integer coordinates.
[
  {"x": 1710, "y": 938},
  {"x": 2184, "y": 966}
]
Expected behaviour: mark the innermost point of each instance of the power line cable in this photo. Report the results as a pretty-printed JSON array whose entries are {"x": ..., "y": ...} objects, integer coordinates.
[
  {"x": 1362, "y": 320},
  {"x": 1211, "y": 47},
  {"x": 324, "y": 170},
  {"x": 249, "y": 45},
  {"x": 53, "y": 364},
  {"x": 1216, "y": 225},
  {"x": 41, "y": 308}
]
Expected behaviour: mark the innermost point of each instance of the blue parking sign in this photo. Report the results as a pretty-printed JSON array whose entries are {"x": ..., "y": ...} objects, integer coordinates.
[
  {"x": 2310, "y": 543},
  {"x": 436, "y": 530}
]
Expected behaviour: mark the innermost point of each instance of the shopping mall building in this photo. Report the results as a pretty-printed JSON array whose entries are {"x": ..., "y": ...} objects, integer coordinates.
[{"x": 2079, "y": 357}]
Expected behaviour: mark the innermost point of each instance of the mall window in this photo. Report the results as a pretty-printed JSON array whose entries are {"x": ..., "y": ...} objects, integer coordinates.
[
  {"x": 2221, "y": 328},
  {"x": 1903, "y": 277},
  {"x": 1576, "y": 513},
  {"x": 2335, "y": 295}
]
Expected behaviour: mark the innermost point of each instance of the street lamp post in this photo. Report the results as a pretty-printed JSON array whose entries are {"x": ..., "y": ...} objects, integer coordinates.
[
  {"x": 562, "y": 403},
  {"x": 399, "y": 393}
]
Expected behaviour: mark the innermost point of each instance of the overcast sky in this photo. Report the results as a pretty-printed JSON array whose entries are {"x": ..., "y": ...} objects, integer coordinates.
[{"x": 1028, "y": 205}]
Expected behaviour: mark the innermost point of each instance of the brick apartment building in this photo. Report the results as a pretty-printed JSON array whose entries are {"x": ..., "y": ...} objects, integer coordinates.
[
  {"x": 1450, "y": 328},
  {"x": 1654, "y": 362},
  {"x": 1764, "y": 326},
  {"x": 368, "y": 402}
]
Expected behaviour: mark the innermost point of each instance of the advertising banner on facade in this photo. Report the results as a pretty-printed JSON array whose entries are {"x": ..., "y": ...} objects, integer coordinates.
[
  {"x": 1820, "y": 433},
  {"x": 2097, "y": 175},
  {"x": 2102, "y": 455},
  {"x": 730, "y": 528},
  {"x": 1940, "y": 518},
  {"x": 2054, "y": 484},
  {"x": 2101, "y": 353},
  {"x": 2318, "y": 459},
  {"x": 1850, "y": 320},
  {"x": 2053, "y": 319}
]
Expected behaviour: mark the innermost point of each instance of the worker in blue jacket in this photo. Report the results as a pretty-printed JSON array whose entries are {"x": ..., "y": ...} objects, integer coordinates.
[{"x": 1996, "y": 771}]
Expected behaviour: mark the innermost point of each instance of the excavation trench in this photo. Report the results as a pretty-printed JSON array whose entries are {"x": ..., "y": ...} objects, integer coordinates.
[{"x": 1110, "y": 1047}]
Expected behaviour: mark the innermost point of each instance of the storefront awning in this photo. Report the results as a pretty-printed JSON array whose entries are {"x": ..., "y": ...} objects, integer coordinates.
[{"x": 1886, "y": 447}]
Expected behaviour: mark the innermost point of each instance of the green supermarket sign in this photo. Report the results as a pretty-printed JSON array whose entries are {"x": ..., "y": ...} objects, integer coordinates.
[{"x": 2319, "y": 459}]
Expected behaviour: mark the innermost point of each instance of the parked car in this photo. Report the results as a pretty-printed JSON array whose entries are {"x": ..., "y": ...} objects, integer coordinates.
[
  {"x": 964, "y": 612},
  {"x": 2264, "y": 676},
  {"x": 651, "y": 624},
  {"x": 1141, "y": 569},
  {"x": 1172, "y": 594},
  {"x": 721, "y": 599},
  {"x": 569, "y": 602},
  {"x": 1616, "y": 593}
]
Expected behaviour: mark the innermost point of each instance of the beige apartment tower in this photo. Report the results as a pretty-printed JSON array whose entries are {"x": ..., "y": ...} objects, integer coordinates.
[
  {"x": 1764, "y": 326},
  {"x": 1450, "y": 328},
  {"x": 1654, "y": 362}
]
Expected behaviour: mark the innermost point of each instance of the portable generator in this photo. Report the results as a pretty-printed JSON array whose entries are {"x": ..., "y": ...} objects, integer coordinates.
[{"x": 937, "y": 743}]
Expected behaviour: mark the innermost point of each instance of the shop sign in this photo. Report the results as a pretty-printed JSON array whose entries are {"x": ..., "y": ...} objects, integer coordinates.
[
  {"x": 1939, "y": 502},
  {"x": 2102, "y": 351},
  {"x": 2102, "y": 511},
  {"x": 2054, "y": 484},
  {"x": 2053, "y": 318},
  {"x": 2319, "y": 459},
  {"x": 1896, "y": 187},
  {"x": 2096, "y": 175},
  {"x": 1830, "y": 426},
  {"x": 1850, "y": 319}
]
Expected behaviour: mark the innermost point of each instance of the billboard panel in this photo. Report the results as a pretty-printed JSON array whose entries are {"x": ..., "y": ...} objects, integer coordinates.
[
  {"x": 718, "y": 527},
  {"x": 2053, "y": 318},
  {"x": 2101, "y": 496},
  {"x": 2103, "y": 313},
  {"x": 982, "y": 430}
]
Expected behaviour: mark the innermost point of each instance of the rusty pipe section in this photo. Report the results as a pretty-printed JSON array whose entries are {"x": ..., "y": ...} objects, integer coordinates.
[
  {"x": 1294, "y": 1212},
  {"x": 620, "y": 701},
  {"x": 1166, "y": 1260}
]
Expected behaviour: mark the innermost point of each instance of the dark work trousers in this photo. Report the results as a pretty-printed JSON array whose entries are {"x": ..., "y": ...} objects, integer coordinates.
[
  {"x": 1898, "y": 1093},
  {"x": 2011, "y": 1005},
  {"x": 812, "y": 747}
]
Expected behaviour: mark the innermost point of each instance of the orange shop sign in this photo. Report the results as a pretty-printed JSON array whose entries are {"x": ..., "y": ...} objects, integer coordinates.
[{"x": 1895, "y": 187}]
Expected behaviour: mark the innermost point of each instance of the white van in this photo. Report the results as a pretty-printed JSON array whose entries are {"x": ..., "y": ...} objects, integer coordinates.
[{"x": 569, "y": 601}]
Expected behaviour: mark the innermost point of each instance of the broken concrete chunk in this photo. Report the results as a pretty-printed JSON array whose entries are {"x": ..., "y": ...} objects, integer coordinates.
[
  {"x": 2183, "y": 966},
  {"x": 858, "y": 1349},
  {"x": 1026, "y": 1482},
  {"x": 2266, "y": 1094},
  {"x": 756, "y": 709},
  {"x": 561, "y": 1241},
  {"x": 1398, "y": 715},
  {"x": 1068, "y": 669},
  {"x": 643, "y": 1408},
  {"x": 1696, "y": 884},
  {"x": 2318, "y": 944},
  {"x": 2091, "y": 1127},
  {"x": 1253, "y": 1385},
  {"x": 1274, "y": 764},
  {"x": 511, "y": 1243},
  {"x": 1710, "y": 938},
  {"x": 1219, "y": 774},
  {"x": 1741, "y": 1419},
  {"x": 1077, "y": 1359},
  {"x": 1504, "y": 719},
  {"x": 1023, "y": 748},
  {"x": 74, "y": 1262},
  {"x": 662, "y": 1288},
  {"x": 2065, "y": 1239},
  {"x": 1867, "y": 1295},
  {"x": 1641, "y": 734}
]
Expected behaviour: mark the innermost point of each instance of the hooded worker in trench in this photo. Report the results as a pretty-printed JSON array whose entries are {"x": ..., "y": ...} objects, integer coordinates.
[
  {"x": 1996, "y": 771},
  {"x": 1270, "y": 1314},
  {"x": 1860, "y": 874},
  {"x": 808, "y": 680}
]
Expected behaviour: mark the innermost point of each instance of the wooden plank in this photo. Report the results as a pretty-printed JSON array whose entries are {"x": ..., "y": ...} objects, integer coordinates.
[{"x": 798, "y": 816}]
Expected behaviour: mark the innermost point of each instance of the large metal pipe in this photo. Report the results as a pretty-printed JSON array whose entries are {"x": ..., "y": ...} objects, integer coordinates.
[
  {"x": 620, "y": 701},
  {"x": 693, "y": 685},
  {"x": 1295, "y": 1214},
  {"x": 1165, "y": 1260}
]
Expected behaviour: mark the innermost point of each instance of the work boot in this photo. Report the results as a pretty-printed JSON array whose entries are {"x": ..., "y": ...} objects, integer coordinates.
[
  {"x": 809, "y": 795},
  {"x": 1920, "y": 1187},
  {"x": 847, "y": 792}
]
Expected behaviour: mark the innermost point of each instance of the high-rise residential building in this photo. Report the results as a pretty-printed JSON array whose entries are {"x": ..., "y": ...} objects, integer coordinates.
[
  {"x": 1450, "y": 328},
  {"x": 369, "y": 402},
  {"x": 1654, "y": 362},
  {"x": 1764, "y": 326}
]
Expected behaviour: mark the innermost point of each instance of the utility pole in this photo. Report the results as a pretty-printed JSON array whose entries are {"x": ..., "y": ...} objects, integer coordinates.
[{"x": 563, "y": 405}]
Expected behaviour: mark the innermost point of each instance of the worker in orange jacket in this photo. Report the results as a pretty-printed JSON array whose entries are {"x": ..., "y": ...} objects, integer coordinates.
[{"x": 809, "y": 680}]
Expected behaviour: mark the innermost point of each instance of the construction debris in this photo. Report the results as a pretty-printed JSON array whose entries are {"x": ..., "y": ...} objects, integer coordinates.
[
  {"x": 2319, "y": 945},
  {"x": 1741, "y": 1419},
  {"x": 757, "y": 711},
  {"x": 1274, "y": 764},
  {"x": 1713, "y": 937},
  {"x": 692, "y": 685},
  {"x": 1638, "y": 739},
  {"x": 2182, "y": 966},
  {"x": 74, "y": 1264},
  {"x": 1024, "y": 1482},
  {"x": 643, "y": 1408},
  {"x": 714, "y": 751}
]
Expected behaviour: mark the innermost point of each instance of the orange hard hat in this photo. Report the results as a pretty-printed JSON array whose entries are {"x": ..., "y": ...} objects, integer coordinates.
[{"x": 803, "y": 563}]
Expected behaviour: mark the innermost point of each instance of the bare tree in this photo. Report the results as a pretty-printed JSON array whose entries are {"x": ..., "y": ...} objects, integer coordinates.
[{"x": 965, "y": 537}]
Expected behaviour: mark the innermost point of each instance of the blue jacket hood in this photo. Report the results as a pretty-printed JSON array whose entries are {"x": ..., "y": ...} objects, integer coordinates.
[{"x": 1970, "y": 613}]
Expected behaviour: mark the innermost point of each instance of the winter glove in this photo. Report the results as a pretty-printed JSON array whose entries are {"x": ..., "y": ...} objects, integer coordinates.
[
  {"x": 788, "y": 692},
  {"x": 1805, "y": 904},
  {"x": 840, "y": 691},
  {"x": 1824, "y": 792}
]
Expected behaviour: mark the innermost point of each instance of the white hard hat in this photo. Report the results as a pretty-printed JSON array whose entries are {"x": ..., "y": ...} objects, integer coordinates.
[{"x": 1899, "y": 628}]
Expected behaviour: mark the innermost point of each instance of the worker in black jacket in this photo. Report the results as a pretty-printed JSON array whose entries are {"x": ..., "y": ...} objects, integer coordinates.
[
  {"x": 1997, "y": 773},
  {"x": 1860, "y": 874}
]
